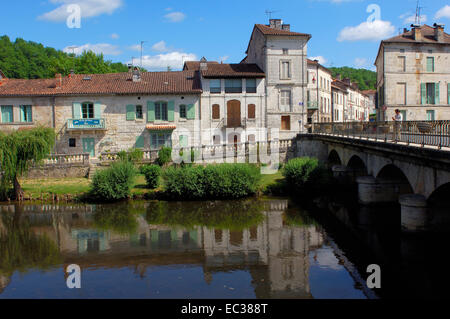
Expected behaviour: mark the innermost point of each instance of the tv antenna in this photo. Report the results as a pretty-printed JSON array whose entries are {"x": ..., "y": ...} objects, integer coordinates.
[
  {"x": 418, "y": 10},
  {"x": 269, "y": 13},
  {"x": 142, "y": 46}
]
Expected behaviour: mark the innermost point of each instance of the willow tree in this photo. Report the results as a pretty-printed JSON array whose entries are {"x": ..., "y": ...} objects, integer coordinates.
[{"x": 18, "y": 151}]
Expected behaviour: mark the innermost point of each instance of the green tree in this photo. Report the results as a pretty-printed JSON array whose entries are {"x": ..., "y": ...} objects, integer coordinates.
[
  {"x": 19, "y": 150},
  {"x": 366, "y": 79}
]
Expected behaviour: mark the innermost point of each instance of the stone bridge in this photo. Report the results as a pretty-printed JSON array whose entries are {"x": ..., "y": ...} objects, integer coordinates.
[{"x": 385, "y": 172}]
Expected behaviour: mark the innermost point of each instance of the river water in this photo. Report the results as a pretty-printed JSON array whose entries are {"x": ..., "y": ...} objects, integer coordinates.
[{"x": 254, "y": 248}]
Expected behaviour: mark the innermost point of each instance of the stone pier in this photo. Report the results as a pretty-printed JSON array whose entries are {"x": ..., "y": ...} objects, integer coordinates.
[{"x": 414, "y": 212}]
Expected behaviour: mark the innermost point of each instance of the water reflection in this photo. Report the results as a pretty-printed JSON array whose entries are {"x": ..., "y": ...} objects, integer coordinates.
[{"x": 237, "y": 249}]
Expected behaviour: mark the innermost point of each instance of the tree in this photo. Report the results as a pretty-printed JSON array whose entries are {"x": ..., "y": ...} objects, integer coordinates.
[
  {"x": 366, "y": 79},
  {"x": 19, "y": 150}
]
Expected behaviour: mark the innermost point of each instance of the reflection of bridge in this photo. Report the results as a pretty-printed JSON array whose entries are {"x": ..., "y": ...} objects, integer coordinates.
[
  {"x": 276, "y": 255},
  {"x": 384, "y": 171}
]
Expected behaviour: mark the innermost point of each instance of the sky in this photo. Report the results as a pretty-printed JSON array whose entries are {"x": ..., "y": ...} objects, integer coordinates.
[{"x": 344, "y": 32}]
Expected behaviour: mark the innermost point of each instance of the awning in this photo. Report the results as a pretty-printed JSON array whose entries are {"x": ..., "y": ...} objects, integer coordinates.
[{"x": 161, "y": 127}]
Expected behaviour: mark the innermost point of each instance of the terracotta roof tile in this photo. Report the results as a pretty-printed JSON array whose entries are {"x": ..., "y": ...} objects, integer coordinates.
[
  {"x": 427, "y": 36},
  {"x": 183, "y": 82},
  {"x": 195, "y": 65},
  {"x": 233, "y": 70},
  {"x": 266, "y": 30}
]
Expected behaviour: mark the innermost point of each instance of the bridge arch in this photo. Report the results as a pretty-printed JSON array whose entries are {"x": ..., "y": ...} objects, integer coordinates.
[
  {"x": 440, "y": 195},
  {"x": 393, "y": 172},
  {"x": 358, "y": 166},
  {"x": 334, "y": 158}
]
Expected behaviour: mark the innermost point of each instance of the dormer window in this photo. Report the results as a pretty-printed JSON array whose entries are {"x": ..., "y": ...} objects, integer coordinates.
[
  {"x": 215, "y": 86},
  {"x": 285, "y": 51}
]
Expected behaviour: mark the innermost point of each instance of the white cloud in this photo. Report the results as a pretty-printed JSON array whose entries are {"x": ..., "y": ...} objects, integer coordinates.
[
  {"x": 136, "y": 47},
  {"x": 89, "y": 9},
  {"x": 105, "y": 48},
  {"x": 174, "y": 60},
  {"x": 361, "y": 62},
  {"x": 409, "y": 18},
  {"x": 367, "y": 31},
  {"x": 160, "y": 46},
  {"x": 175, "y": 16},
  {"x": 443, "y": 13},
  {"x": 319, "y": 58},
  {"x": 115, "y": 36},
  {"x": 224, "y": 58}
]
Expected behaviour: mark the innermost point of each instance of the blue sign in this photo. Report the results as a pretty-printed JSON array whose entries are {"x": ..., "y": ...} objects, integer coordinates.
[{"x": 90, "y": 122}]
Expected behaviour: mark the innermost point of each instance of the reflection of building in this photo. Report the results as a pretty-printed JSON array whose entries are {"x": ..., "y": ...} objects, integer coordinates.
[
  {"x": 4, "y": 282},
  {"x": 275, "y": 254}
]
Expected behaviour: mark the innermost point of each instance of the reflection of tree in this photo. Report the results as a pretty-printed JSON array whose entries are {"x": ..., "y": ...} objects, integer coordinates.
[
  {"x": 119, "y": 218},
  {"x": 299, "y": 218},
  {"x": 232, "y": 215},
  {"x": 21, "y": 249}
]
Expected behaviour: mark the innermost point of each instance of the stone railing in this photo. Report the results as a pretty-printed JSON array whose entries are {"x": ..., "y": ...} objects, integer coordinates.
[
  {"x": 60, "y": 159},
  {"x": 215, "y": 152},
  {"x": 430, "y": 133}
]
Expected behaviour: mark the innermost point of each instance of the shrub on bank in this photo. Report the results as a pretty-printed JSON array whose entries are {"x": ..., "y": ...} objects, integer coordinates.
[
  {"x": 133, "y": 155},
  {"x": 224, "y": 181},
  {"x": 301, "y": 172},
  {"x": 152, "y": 174},
  {"x": 164, "y": 156},
  {"x": 114, "y": 183}
]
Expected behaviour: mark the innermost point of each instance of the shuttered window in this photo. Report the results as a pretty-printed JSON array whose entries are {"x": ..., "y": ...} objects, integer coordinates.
[
  {"x": 233, "y": 86},
  {"x": 251, "y": 111},
  {"x": 7, "y": 114},
  {"x": 26, "y": 113},
  {"x": 87, "y": 110},
  {"x": 430, "y": 64},
  {"x": 250, "y": 85},
  {"x": 76, "y": 110},
  {"x": 140, "y": 142},
  {"x": 131, "y": 112},
  {"x": 183, "y": 114},
  {"x": 150, "y": 111},
  {"x": 216, "y": 112},
  {"x": 160, "y": 139},
  {"x": 215, "y": 86},
  {"x": 191, "y": 111},
  {"x": 285, "y": 123}
]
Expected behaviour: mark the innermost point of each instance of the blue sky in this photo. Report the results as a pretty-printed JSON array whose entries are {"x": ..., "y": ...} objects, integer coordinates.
[{"x": 219, "y": 30}]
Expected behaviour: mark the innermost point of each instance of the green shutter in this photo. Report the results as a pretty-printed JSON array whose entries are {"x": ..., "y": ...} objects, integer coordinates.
[
  {"x": 171, "y": 111},
  {"x": 140, "y": 142},
  {"x": 448, "y": 93},
  {"x": 423, "y": 92},
  {"x": 97, "y": 110},
  {"x": 29, "y": 111},
  {"x": 22, "y": 113},
  {"x": 437, "y": 100},
  {"x": 7, "y": 114},
  {"x": 131, "y": 112},
  {"x": 191, "y": 111},
  {"x": 76, "y": 110},
  {"x": 430, "y": 64},
  {"x": 150, "y": 111}
]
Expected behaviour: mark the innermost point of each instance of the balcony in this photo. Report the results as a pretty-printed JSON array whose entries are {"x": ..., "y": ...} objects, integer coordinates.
[
  {"x": 86, "y": 124},
  {"x": 313, "y": 105}
]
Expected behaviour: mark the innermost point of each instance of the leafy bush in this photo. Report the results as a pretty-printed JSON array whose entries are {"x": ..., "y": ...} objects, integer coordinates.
[
  {"x": 152, "y": 174},
  {"x": 164, "y": 156},
  {"x": 133, "y": 155},
  {"x": 224, "y": 181},
  {"x": 299, "y": 172},
  {"x": 113, "y": 183}
]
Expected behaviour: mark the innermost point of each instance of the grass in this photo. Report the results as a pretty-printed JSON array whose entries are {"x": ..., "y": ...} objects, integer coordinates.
[
  {"x": 74, "y": 187},
  {"x": 269, "y": 180}
]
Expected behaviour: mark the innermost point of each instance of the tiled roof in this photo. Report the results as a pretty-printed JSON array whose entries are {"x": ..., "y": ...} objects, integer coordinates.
[
  {"x": 233, "y": 71},
  {"x": 312, "y": 62},
  {"x": 195, "y": 65},
  {"x": 427, "y": 36},
  {"x": 152, "y": 127},
  {"x": 183, "y": 82},
  {"x": 266, "y": 30}
]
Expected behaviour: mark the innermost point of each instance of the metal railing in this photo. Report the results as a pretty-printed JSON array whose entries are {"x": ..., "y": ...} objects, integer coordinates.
[
  {"x": 313, "y": 105},
  {"x": 430, "y": 133},
  {"x": 86, "y": 124}
]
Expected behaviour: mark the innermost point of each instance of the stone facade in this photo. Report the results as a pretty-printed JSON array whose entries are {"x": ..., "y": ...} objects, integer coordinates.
[
  {"x": 413, "y": 75},
  {"x": 319, "y": 93}
]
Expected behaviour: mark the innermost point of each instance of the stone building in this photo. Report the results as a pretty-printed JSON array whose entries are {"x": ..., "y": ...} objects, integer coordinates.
[
  {"x": 413, "y": 74},
  {"x": 318, "y": 99}
]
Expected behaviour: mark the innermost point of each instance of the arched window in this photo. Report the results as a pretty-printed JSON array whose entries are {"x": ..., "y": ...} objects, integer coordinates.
[
  {"x": 216, "y": 112},
  {"x": 251, "y": 111}
]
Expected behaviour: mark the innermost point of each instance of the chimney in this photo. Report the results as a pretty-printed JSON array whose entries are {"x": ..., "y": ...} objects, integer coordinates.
[
  {"x": 439, "y": 32},
  {"x": 286, "y": 27},
  {"x": 275, "y": 24},
  {"x": 417, "y": 32},
  {"x": 405, "y": 30},
  {"x": 58, "y": 77},
  {"x": 130, "y": 68},
  {"x": 136, "y": 75},
  {"x": 203, "y": 64},
  {"x": 338, "y": 77},
  {"x": 347, "y": 81}
]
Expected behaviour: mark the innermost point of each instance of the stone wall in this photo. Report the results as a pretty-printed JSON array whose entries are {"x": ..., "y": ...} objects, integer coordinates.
[{"x": 59, "y": 171}]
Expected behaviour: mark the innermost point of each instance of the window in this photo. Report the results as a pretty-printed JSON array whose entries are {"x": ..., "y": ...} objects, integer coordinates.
[
  {"x": 285, "y": 123},
  {"x": 87, "y": 110},
  {"x": 216, "y": 111},
  {"x": 402, "y": 50},
  {"x": 233, "y": 86},
  {"x": 401, "y": 93},
  {"x": 251, "y": 111},
  {"x": 250, "y": 85},
  {"x": 26, "y": 114},
  {"x": 430, "y": 64},
  {"x": 72, "y": 142},
  {"x": 183, "y": 113},
  {"x": 139, "y": 112},
  {"x": 161, "y": 139},
  {"x": 402, "y": 63},
  {"x": 285, "y": 51},
  {"x": 430, "y": 115},
  {"x": 285, "y": 100},
  {"x": 285, "y": 70},
  {"x": 215, "y": 86},
  {"x": 7, "y": 114},
  {"x": 161, "y": 111},
  {"x": 430, "y": 93}
]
